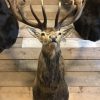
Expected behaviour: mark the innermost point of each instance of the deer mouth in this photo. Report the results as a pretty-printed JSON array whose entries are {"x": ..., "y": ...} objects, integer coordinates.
[{"x": 53, "y": 44}]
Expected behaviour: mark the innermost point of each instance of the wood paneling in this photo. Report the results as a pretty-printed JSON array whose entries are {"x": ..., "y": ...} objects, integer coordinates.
[{"x": 18, "y": 64}]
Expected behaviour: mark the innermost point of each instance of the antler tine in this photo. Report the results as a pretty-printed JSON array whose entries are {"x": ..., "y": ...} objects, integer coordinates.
[
  {"x": 44, "y": 24},
  {"x": 69, "y": 12},
  {"x": 14, "y": 10},
  {"x": 20, "y": 16},
  {"x": 79, "y": 8},
  {"x": 44, "y": 15},
  {"x": 35, "y": 16},
  {"x": 57, "y": 16}
]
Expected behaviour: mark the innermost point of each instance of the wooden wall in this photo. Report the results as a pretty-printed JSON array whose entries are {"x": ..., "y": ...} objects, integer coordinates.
[{"x": 18, "y": 64}]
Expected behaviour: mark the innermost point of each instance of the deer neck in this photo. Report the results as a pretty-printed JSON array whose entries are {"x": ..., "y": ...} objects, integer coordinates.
[
  {"x": 51, "y": 55},
  {"x": 50, "y": 66}
]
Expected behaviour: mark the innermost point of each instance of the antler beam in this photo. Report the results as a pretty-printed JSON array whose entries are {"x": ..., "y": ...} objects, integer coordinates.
[
  {"x": 65, "y": 22},
  {"x": 18, "y": 13}
]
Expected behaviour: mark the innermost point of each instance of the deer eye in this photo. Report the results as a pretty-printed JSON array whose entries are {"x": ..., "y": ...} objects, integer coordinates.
[
  {"x": 59, "y": 33},
  {"x": 49, "y": 36},
  {"x": 42, "y": 34}
]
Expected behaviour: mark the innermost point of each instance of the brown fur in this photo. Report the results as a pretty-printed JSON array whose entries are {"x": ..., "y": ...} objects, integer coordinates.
[{"x": 50, "y": 83}]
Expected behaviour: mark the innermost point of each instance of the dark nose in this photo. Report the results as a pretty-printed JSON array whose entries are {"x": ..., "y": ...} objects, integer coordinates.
[{"x": 53, "y": 40}]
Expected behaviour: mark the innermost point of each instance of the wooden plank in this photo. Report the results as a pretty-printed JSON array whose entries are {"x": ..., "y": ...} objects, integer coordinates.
[
  {"x": 36, "y": 2},
  {"x": 18, "y": 65},
  {"x": 83, "y": 78},
  {"x": 19, "y": 53},
  {"x": 83, "y": 96},
  {"x": 15, "y": 93},
  {"x": 18, "y": 42},
  {"x": 25, "y": 93},
  {"x": 81, "y": 89},
  {"x": 31, "y": 65},
  {"x": 48, "y": 8},
  {"x": 16, "y": 78},
  {"x": 28, "y": 90},
  {"x": 82, "y": 65},
  {"x": 91, "y": 79},
  {"x": 19, "y": 90},
  {"x": 68, "y": 53}
]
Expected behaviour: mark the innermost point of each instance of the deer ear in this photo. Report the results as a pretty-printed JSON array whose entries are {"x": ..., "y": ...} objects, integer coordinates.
[
  {"x": 31, "y": 30},
  {"x": 34, "y": 32}
]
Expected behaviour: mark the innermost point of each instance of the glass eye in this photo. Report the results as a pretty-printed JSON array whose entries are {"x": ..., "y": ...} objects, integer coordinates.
[
  {"x": 49, "y": 36},
  {"x": 59, "y": 33},
  {"x": 42, "y": 34}
]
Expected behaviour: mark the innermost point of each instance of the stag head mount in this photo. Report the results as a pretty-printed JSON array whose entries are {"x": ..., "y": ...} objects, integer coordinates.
[{"x": 40, "y": 30}]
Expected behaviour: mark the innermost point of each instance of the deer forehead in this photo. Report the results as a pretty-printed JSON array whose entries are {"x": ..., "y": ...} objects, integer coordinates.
[{"x": 50, "y": 31}]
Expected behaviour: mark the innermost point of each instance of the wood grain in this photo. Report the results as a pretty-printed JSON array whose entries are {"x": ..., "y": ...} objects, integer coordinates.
[
  {"x": 72, "y": 78},
  {"x": 31, "y": 65},
  {"x": 28, "y": 90},
  {"x": 83, "y": 96},
  {"x": 15, "y": 93},
  {"x": 68, "y": 53},
  {"x": 25, "y": 93},
  {"x": 45, "y": 2}
]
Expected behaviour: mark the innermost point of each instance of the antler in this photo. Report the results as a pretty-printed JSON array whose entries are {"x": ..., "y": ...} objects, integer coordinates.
[
  {"x": 20, "y": 16},
  {"x": 64, "y": 22}
]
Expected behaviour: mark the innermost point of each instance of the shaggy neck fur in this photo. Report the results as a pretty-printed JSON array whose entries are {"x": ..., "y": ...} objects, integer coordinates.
[
  {"x": 50, "y": 58},
  {"x": 50, "y": 83}
]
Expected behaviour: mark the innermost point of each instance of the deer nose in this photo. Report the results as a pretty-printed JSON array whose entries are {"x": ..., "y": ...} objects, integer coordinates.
[{"x": 53, "y": 39}]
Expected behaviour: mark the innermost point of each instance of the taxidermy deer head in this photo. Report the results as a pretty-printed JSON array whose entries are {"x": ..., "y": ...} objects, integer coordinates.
[
  {"x": 47, "y": 35},
  {"x": 50, "y": 82}
]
